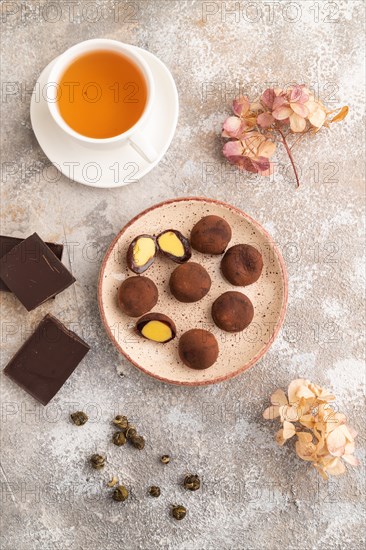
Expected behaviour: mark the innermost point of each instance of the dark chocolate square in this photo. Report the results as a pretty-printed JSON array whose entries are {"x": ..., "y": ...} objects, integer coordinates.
[
  {"x": 47, "y": 359},
  {"x": 33, "y": 272},
  {"x": 8, "y": 243}
]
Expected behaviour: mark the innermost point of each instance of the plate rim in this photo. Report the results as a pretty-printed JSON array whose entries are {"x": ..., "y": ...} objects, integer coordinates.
[{"x": 279, "y": 323}]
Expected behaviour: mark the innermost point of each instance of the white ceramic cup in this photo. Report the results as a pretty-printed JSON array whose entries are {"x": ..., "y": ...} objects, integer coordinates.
[{"x": 133, "y": 134}]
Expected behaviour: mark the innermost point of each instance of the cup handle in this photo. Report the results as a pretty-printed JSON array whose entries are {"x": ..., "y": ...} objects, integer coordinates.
[{"x": 143, "y": 146}]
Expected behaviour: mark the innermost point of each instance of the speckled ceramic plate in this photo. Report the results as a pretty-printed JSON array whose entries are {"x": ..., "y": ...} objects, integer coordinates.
[{"x": 238, "y": 352}]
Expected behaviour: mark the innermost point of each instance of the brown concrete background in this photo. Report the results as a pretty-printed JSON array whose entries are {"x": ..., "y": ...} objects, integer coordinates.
[{"x": 255, "y": 495}]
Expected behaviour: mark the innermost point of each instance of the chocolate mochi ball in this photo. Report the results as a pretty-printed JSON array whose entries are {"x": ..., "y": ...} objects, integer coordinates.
[
  {"x": 198, "y": 349},
  {"x": 232, "y": 311},
  {"x": 174, "y": 246},
  {"x": 156, "y": 327},
  {"x": 189, "y": 282},
  {"x": 141, "y": 253},
  {"x": 242, "y": 265},
  {"x": 211, "y": 235},
  {"x": 137, "y": 295}
]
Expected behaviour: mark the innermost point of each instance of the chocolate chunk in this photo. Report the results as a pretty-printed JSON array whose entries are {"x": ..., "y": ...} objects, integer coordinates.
[
  {"x": 8, "y": 243},
  {"x": 33, "y": 272},
  {"x": 47, "y": 359}
]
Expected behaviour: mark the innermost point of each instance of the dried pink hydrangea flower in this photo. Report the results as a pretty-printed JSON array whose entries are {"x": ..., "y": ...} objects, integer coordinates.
[
  {"x": 275, "y": 115},
  {"x": 251, "y": 152}
]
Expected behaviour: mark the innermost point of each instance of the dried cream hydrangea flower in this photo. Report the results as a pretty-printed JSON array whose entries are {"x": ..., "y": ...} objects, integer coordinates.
[{"x": 326, "y": 440}]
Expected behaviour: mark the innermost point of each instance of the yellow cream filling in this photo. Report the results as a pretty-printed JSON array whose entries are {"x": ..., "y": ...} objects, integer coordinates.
[
  {"x": 170, "y": 243},
  {"x": 157, "y": 331},
  {"x": 144, "y": 249}
]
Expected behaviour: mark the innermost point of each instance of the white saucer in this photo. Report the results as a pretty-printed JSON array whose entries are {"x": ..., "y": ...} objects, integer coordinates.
[{"x": 119, "y": 164}]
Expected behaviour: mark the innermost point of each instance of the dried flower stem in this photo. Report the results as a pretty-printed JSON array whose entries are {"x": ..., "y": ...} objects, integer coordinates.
[{"x": 290, "y": 155}]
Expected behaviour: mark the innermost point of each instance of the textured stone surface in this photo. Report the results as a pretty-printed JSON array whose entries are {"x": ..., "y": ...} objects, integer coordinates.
[{"x": 255, "y": 495}]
